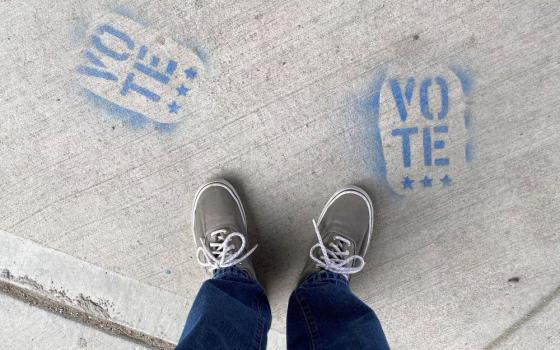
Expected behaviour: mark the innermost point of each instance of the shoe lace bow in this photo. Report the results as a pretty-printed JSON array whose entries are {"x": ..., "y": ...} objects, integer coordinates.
[
  {"x": 336, "y": 257},
  {"x": 221, "y": 252}
]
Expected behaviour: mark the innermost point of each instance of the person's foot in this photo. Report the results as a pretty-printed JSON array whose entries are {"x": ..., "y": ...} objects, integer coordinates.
[
  {"x": 220, "y": 228},
  {"x": 343, "y": 231}
]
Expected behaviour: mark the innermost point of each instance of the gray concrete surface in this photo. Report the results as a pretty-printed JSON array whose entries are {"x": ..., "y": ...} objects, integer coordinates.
[
  {"x": 283, "y": 107},
  {"x": 39, "y": 329},
  {"x": 94, "y": 296},
  {"x": 76, "y": 295}
]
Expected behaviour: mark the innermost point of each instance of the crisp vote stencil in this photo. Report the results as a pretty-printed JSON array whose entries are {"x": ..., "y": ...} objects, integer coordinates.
[{"x": 424, "y": 129}]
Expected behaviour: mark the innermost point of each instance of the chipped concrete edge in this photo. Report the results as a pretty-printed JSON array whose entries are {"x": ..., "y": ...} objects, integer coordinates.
[
  {"x": 98, "y": 298},
  {"x": 37, "y": 298},
  {"x": 82, "y": 292}
]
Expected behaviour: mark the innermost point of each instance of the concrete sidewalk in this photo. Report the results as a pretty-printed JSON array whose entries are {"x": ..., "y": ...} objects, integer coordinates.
[
  {"x": 446, "y": 112},
  {"x": 48, "y": 294}
]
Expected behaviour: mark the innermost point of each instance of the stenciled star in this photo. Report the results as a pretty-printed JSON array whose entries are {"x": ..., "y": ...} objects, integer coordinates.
[
  {"x": 182, "y": 90},
  {"x": 426, "y": 181},
  {"x": 407, "y": 183},
  {"x": 173, "y": 107},
  {"x": 446, "y": 180},
  {"x": 191, "y": 73}
]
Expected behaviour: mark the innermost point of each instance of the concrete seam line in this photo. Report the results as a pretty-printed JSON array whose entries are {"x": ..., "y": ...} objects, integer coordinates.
[
  {"x": 72, "y": 313},
  {"x": 526, "y": 318}
]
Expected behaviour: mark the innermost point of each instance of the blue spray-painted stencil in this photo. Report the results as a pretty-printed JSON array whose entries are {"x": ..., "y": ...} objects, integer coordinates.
[
  {"x": 137, "y": 75},
  {"x": 423, "y": 129}
]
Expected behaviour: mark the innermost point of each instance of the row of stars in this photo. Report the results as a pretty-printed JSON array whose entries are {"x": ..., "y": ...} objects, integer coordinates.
[
  {"x": 407, "y": 182},
  {"x": 182, "y": 90}
]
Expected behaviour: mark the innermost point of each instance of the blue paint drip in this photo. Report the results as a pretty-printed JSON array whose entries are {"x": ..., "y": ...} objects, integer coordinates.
[{"x": 134, "y": 119}]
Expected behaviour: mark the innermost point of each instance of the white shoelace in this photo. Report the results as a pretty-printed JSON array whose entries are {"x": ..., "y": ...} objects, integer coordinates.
[
  {"x": 222, "y": 253},
  {"x": 335, "y": 258}
]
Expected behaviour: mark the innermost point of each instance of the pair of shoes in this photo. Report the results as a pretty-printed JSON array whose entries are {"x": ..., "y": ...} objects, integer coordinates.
[{"x": 343, "y": 231}]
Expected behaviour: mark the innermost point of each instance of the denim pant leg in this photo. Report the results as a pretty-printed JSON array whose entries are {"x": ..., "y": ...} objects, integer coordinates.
[
  {"x": 230, "y": 312},
  {"x": 324, "y": 314}
]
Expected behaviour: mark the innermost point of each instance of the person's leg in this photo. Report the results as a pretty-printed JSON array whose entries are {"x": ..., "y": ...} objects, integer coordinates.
[
  {"x": 231, "y": 311},
  {"x": 323, "y": 313}
]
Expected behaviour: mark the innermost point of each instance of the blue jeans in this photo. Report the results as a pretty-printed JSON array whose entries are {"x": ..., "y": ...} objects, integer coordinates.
[{"x": 231, "y": 312}]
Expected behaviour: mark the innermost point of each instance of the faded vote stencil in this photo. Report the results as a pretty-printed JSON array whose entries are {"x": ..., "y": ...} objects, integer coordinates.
[
  {"x": 137, "y": 74},
  {"x": 424, "y": 129}
]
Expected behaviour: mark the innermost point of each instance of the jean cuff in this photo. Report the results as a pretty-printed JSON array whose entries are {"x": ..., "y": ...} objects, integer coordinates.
[
  {"x": 231, "y": 272},
  {"x": 323, "y": 277}
]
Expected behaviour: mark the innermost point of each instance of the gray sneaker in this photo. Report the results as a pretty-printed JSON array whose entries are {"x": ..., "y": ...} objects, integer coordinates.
[
  {"x": 343, "y": 232},
  {"x": 220, "y": 228}
]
